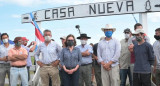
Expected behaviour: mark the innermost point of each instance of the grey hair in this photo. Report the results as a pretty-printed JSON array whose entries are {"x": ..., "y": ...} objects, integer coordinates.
[{"x": 46, "y": 31}]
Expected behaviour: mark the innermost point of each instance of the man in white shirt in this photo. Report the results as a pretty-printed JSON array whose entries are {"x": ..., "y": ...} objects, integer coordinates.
[{"x": 108, "y": 55}]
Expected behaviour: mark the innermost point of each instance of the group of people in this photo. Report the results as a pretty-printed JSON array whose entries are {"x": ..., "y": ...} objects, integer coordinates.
[{"x": 71, "y": 64}]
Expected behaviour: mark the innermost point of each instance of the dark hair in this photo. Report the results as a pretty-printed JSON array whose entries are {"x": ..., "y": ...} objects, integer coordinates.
[
  {"x": 17, "y": 39},
  {"x": 135, "y": 26},
  {"x": 70, "y": 35},
  {"x": 158, "y": 29},
  {"x": 4, "y": 34},
  {"x": 46, "y": 31}
]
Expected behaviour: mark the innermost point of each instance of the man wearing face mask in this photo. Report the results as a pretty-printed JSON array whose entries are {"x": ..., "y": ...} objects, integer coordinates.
[
  {"x": 18, "y": 56},
  {"x": 108, "y": 55},
  {"x": 156, "y": 48},
  {"x": 86, "y": 64},
  {"x": 4, "y": 63},
  {"x": 124, "y": 59},
  {"x": 144, "y": 58},
  {"x": 132, "y": 41},
  {"x": 24, "y": 45},
  {"x": 50, "y": 60}
]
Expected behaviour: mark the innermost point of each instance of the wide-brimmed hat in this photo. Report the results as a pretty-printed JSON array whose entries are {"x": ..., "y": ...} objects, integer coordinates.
[
  {"x": 138, "y": 31},
  {"x": 83, "y": 36},
  {"x": 108, "y": 26},
  {"x": 127, "y": 30},
  {"x": 63, "y": 37}
]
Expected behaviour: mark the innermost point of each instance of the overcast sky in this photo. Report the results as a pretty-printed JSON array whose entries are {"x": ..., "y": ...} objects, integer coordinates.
[{"x": 11, "y": 10}]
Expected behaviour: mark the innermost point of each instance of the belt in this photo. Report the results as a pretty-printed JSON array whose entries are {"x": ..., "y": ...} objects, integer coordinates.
[
  {"x": 86, "y": 64},
  {"x": 19, "y": 66},
  {"x": 47, "y": 64}
]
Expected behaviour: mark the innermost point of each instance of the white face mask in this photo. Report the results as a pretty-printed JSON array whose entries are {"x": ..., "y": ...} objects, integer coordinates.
[
  {"x": 83, "y": 41},
  {"x": 127, "y": 36},
  {"x": 5, "y": 41},
  {"x": 47, "y": 38}
]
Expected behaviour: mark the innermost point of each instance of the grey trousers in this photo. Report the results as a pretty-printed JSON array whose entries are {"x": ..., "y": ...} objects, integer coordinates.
[
  {"x": 97, "y": 69},
  {"x": 85, "y": 75},
  {"x": 4, "y": 70}
]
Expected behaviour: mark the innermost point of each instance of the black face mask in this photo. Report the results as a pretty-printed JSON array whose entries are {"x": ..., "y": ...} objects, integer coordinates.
[
  {"x": 139, "y": 39},
  {"x": 70, "y": 43},
  {"x": 157, "y": 37}
]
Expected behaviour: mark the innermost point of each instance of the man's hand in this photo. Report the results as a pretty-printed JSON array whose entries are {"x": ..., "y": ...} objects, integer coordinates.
[
  {"x": 40, "y": 63},
  {"x": 131, "y": 47},
  {"x": 71, "y": 71},
  {"x": 4, "y": 59},
  {"x": 102, "y": 63},
  {"x": 107, "y": 66},
  {"x": 34, "y": 43},
  {"x": 60, "y": 66},
  {"x": 55, "y": 63},
  {"x": 154, "y": 69},
  {"x": 85, "y": 53}
]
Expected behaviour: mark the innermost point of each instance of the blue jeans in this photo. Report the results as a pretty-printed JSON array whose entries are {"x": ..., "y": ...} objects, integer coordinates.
[
  {"x": 15, "y": 73},
  {"x": 123, "y": 76}
]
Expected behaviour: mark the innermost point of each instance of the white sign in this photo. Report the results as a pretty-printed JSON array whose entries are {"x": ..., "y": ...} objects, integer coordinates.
[{"x": 95, "y": 9}]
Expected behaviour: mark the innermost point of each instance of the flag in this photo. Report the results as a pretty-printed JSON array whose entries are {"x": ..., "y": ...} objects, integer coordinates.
[{"x": 39, "y": 35}]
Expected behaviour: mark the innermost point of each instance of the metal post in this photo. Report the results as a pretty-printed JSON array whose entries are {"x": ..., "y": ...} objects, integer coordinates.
[{"x": 143, "y": 21}]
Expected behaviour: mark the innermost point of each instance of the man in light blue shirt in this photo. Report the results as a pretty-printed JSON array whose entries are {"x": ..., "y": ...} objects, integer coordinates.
[
  {"x": 4, "y": 63},
  {"x": 108, "y": 55},
  {"x": 50, "y": 51},
  {"x": 86, "y": 64}
]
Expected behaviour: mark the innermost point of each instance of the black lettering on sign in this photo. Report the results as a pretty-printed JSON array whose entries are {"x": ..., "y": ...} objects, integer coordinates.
[
  {"x": 54, "y": 12},
  {"x": 92, "y": 10},
  {"x": 62, "y": 11},
  {"x": 109, "y": 7},
  {"x": 70, "y": 10},
  {"x": 46, "y": 14},
  {"x": 129, "y": 4},
  {"x": 99, "y": 9},
  {"x": 119, "y": 6}
]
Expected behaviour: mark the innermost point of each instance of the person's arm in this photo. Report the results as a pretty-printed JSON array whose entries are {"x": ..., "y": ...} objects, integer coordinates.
[
  {"x": 87, "y": 52},
  {"x": 79, "y": 57},
  {"x": 37, "y": 53},
  {"x": 37, "y": 56},
  {"x": 33, "y": 47},
  {"x": 62, "y": 58},
  {"x": 11, "y": 57},
  {"x": 150, "y": 55},
  {"x": 58, "y": 50},
  {"x": 117, "y": 53},
  {"x": 4, "y": 58},
  {"x": 155, "y": 65},
  {"x": 99, "y": 51},
  {"x": 21, "y": 57}
]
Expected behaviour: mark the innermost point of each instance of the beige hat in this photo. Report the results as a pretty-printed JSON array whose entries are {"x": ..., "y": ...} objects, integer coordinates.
[
  {"x": 63, "y": 37},
  {"x": 138, "y": 31},
  {"x": 108, "y": 26},
  {"x": 102, "y": 38}
]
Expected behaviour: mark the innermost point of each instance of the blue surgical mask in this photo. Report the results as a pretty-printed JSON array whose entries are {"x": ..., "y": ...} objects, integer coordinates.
[{"x": 108, "y": 34}]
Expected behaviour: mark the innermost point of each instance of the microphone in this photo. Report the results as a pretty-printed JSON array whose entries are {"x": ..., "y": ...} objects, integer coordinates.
[{"x": 77, "y": 27}]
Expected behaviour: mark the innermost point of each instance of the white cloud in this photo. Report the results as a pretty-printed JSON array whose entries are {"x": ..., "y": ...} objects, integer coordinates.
[
  {"x": 16, "y": 16},
  {"x": 52, "y": 2},
  {"x": 154, "y": 17}
]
